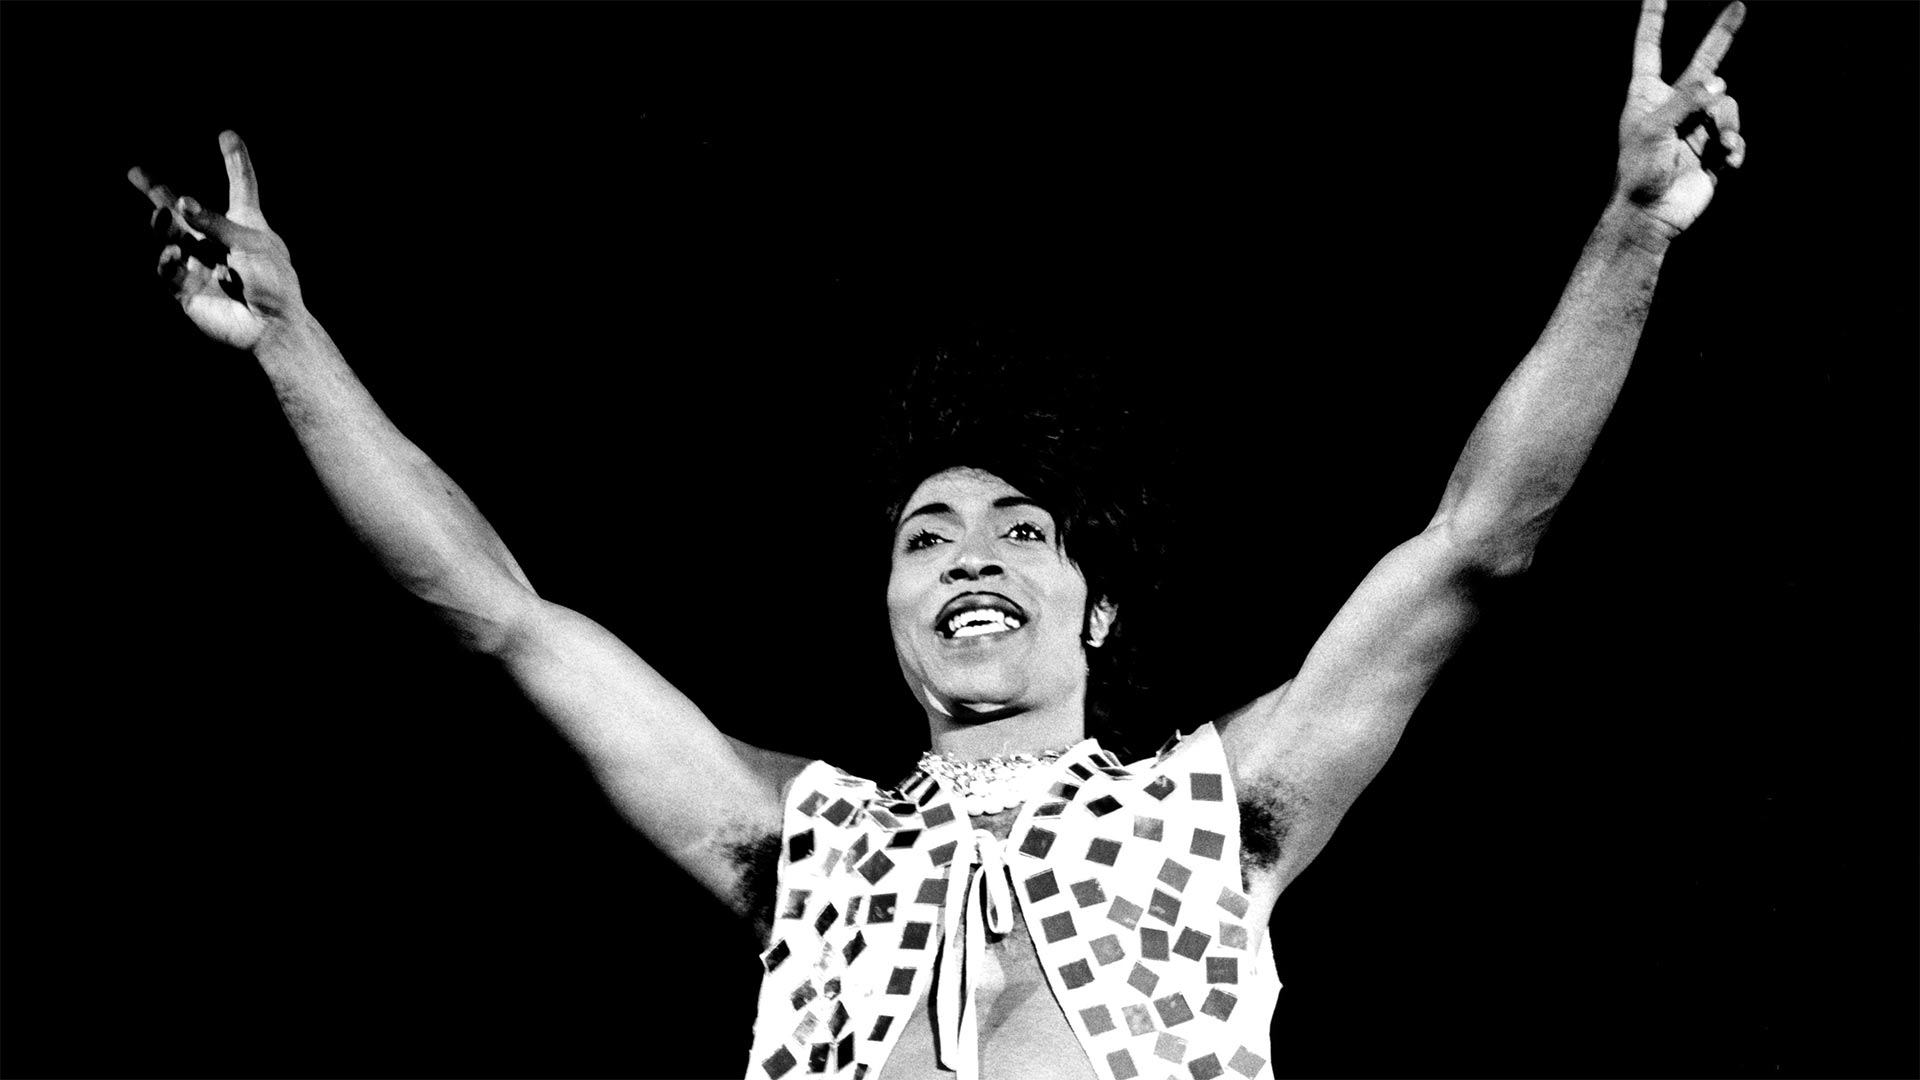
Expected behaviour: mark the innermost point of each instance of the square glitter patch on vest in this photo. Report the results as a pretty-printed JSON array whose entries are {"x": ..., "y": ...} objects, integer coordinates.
[
  {"x": 880, "y": 1026},
  {"x": 1103, "y": 851},
  {"x": 1192, "y": 944},
  {"x": 1161, "y": 787},
  {"x": 1119, "y": 1061},
  {"x": 1206, "y": 1067},
  {"x": 838, "y": 812},
  {"x": 1042, "y": 885},
  {"x": 1165, "y": 907},
  {"x": 880, "y": 908},
  {"x": 1088, "y": 893},
  {"x": 1098, "y": 1018},
  {"x": 1075, "y": 975},
  {"x": 1058, "y": 927},
  {"x": 1223, "y": 969},
  {"x": 1139, "y": 1018},
  {"x": 1125, "y": 912},
  {"x": 777, "y": 955},
  {"x": 876, "y": 867},
  {"x": 1207, "y": 844},
  {"x": 1219, "y": 1004},
  {"x": 1107, "y": 949},
  {"x": 1153, "y": 943},
  {"x": 943, "y": 854},
  {"x": 1037, "y": 843},
  {"x": 811, "y": 805},
  {"x": 1246, "y": 1062},
  {"x": 914, "y": 935},
  {"x": 1173, "y": 1009},
  {"x": 799, "y": 846},
  {"x": 939, "y": 815},
  {"x": 1148, "y": 828},
  {"x": 1143, "y": 979},
  {"x": 1104, "y": 805},
  {"x": 1232, "y": 935},
  {"x": 932, "y": 891},
  {"x": 1205, "y": 786},
  {"x": 796, "y": 906},
  {"x": 1170, "y": 1048},
  {"x": 781, "y": 1062},
  {"x": 1233, "y": 903},
  {"x": 901, "y": 981},
  {"x": 1172, "y": 873}
]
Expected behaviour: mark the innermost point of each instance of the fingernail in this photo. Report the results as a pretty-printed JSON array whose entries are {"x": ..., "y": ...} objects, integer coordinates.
[{"x": 189, "y": 205}]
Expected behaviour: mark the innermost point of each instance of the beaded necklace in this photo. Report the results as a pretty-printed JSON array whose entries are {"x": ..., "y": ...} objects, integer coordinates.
[{"x": 990, "y": 785}]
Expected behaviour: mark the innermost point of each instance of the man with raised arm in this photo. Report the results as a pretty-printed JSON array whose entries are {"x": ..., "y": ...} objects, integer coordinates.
[{"x": 913, "y": 929}]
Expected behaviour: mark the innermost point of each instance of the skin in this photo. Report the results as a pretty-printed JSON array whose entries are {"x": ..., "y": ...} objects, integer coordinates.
[
  {"x": 964, "y": 533},
  {"x": 1300, "y": 754}
]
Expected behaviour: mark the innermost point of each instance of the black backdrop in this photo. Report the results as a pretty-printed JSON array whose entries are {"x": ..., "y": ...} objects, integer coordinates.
[{"x": 633, "y": 276}]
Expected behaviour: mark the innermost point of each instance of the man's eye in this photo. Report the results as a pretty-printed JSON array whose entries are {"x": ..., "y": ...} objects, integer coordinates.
[
  {"x": 1027, "y": 530},
  {"x": 924, "y": 539}
]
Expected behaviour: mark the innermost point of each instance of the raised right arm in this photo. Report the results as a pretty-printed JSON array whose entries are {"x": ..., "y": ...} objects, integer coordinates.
[{"x": 702, "y": 798}]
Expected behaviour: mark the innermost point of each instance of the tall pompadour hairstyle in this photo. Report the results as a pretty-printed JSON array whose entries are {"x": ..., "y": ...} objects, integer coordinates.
[{"x": 1065, "y": 434}]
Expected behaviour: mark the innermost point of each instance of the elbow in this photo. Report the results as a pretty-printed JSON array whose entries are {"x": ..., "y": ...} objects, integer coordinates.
[
  {"x": 1493, "y": 546},
  {"x": 489, "y": 620}
]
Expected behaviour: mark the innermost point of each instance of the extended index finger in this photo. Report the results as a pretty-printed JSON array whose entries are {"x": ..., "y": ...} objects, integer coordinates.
[
  {"x": 1718, "y": 40},
  {"x": 243, "y": 188},
  {"x": 1646, "y": 39}
]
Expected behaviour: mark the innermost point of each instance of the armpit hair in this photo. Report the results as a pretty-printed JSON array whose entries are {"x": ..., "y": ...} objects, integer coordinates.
[
  {"x": 758, "y": 860},
  {"x": 1266, "y": 819}
]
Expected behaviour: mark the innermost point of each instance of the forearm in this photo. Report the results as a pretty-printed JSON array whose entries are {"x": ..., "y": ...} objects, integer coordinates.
[
  {"x": 419, "y": 524},
  {"x": 1523, "y": 455}
]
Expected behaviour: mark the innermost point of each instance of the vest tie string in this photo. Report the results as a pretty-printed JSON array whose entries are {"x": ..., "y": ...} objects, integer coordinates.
[{"x": 979, "y": 899}]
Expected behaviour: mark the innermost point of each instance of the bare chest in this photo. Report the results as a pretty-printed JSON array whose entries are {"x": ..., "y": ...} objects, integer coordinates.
[{"x": 1023, "y": 1034}]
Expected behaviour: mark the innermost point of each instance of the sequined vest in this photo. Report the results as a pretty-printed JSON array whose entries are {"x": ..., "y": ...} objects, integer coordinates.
[{"x": 1129, "y": 876}]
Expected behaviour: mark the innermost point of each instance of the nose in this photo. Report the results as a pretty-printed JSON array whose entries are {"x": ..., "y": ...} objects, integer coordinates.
[{"x": 970, "y": 566}]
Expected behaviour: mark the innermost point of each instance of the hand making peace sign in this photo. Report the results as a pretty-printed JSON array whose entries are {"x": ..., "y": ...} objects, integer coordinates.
[
  {"x": 1665, "y": 130},
  {"x": 230, "y": 272}
]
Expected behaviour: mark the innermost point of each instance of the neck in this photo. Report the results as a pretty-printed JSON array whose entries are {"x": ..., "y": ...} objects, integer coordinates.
[{"x": 970, "y": 736}]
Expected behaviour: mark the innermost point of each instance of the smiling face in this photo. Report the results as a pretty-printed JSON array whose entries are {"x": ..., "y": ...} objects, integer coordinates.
[{"x": 986, "y": 608}]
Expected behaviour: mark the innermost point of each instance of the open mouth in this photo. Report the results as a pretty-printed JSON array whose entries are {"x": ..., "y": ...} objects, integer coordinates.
[{"x": 977, "y": 615}]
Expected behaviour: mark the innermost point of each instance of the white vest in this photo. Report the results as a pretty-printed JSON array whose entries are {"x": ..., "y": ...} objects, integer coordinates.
[{"x": 1129, "y": 879}]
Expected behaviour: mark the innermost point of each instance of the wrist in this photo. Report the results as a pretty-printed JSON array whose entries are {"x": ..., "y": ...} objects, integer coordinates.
[
  {"x": 1629, "y": 226},
  {"x": 294, "y": 334}
]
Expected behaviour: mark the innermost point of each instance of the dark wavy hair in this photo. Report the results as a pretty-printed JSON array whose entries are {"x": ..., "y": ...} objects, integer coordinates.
[{"x": 1069, "y": 436}]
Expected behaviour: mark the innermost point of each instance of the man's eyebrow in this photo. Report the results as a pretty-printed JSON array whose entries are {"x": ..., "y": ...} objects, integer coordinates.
[
  {"x": 930, "y": 508},
  {"x": 939, "y": 508}
]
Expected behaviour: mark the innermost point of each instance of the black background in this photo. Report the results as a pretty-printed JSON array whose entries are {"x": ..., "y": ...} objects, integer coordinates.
[{"x": 634, "y": 276}]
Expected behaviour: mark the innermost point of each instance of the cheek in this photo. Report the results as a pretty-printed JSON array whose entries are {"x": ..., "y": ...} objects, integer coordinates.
[{"x": 901, "y": 601}]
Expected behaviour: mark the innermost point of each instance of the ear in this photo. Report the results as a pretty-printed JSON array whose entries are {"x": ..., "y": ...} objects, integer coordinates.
[{"x": 1100, "y": 619}]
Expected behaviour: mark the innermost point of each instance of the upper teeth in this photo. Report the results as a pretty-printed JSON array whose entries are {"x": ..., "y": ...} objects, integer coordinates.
[{"x": 981, "y": 621}]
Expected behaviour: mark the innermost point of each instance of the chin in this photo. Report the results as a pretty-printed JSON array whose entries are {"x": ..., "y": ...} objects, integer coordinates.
[{"x": 997, "y": 693}]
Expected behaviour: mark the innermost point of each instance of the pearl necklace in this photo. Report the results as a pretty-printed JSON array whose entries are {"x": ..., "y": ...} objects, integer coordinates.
[{"x": 993, "y": 784}]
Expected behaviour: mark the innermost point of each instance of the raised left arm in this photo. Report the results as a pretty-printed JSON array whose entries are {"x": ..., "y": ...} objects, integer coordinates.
[{"x": 1308, "y": 749}]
